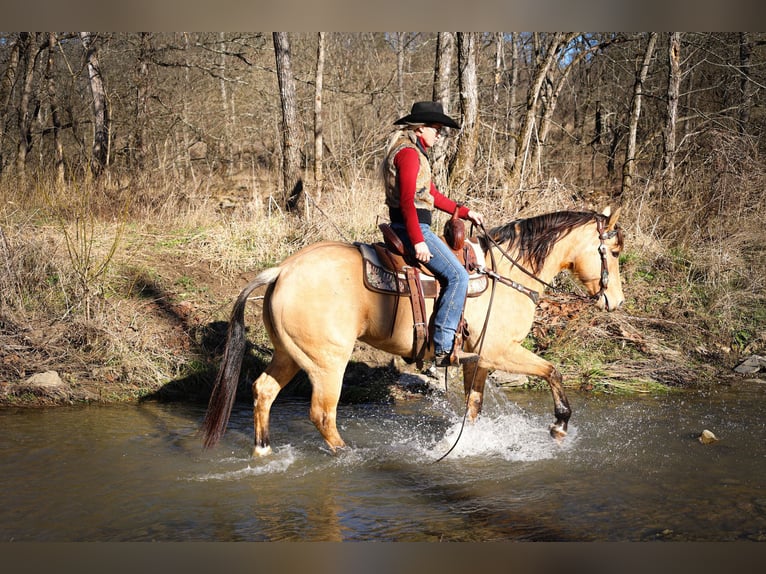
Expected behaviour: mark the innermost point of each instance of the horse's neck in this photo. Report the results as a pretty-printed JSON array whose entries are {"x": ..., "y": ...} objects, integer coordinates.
[{"x": 561, "y": 257}]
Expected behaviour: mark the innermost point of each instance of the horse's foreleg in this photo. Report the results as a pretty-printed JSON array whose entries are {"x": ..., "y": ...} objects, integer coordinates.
[
  {"x": 561, "y": 408},
  {"x": 525, "y": 362},
  {"x": 265, "y": 389},
  {"x": 474, "y": 378}
]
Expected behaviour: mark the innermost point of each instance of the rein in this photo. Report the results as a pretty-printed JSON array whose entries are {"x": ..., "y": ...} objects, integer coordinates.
[{"x": 533, "y": 295}]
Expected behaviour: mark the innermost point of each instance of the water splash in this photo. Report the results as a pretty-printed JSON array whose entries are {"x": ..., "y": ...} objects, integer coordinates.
[
  {"x": 508, "y": 436},
  {"x": 279, "y": 462},
  {"x": 427, "y": 429}
]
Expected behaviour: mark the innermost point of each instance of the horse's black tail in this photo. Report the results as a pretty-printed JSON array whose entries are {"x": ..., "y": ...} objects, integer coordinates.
[{"x": 224, "y": 391}]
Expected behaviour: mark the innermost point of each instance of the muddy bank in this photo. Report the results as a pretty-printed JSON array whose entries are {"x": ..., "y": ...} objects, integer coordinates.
[{"x": 68, "y": 363}]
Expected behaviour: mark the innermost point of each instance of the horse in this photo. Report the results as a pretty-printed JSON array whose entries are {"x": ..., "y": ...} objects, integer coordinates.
[{"x": 316, "y": 307}]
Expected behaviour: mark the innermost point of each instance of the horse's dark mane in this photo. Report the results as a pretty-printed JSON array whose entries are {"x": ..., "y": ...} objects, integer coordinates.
[{"x": 534, "y": 237}]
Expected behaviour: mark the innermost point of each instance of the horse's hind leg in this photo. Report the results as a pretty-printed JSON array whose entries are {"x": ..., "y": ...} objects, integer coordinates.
[
  {"x": 265, "y": 389},
  {"x": 324, "y": 405}
]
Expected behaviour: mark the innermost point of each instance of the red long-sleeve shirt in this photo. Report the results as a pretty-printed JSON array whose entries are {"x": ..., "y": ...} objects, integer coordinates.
[{"x": 407, "y": 163}]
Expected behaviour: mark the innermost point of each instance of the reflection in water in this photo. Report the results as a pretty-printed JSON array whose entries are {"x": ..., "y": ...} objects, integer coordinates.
[{"x": 630, "y": 469}]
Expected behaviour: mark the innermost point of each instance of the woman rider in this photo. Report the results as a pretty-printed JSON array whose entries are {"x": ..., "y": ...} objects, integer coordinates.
[{"x": 411, "y": 197}]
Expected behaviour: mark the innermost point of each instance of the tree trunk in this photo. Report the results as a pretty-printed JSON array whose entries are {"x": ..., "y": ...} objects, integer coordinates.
[
  {"x": 512, "y": 89},
  {"x": 189, "y": 138},
  {"x": 226, "y": 151},
  {"x": 445, "y": 54},
  {"x": 629, "y": 168},
  {"x": 58, "y": 150},
  {"x": 554, "y": 92},
  {"x": 291, "y": 140},
  {"x": 745, "y": 82},
  {"x": 462, "y": 166},
  {"x": 6, "y": 93},
  {"x": 318, "y": 127},
  {"x": 137, "y": 156},
  {"x": 532, "y": 107},
  {"x": 400, "y": 69},
  {"x": 495, "y": 166},
  {"x": 100, "y": 150},
  {"x": 499, "y": 67},
  {"x": 29, "y": 55},
  {"x": 669, "y": 132}
]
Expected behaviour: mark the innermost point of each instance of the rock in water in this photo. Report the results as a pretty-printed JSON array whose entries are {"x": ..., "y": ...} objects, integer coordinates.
[
  {"x": 752, "y": 364},
  {"x": 707, "y": 437}
]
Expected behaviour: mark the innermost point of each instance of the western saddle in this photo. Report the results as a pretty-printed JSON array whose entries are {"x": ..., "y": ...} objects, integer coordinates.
[{"x": 390, "y": 269}]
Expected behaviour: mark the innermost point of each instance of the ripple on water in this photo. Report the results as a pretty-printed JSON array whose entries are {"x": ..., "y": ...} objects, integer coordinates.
[{"x": 278, "y": 462}]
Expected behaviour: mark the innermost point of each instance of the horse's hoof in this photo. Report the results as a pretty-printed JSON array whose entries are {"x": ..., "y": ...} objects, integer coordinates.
[
  {"x": 259, "y": 451},
  {"x": 557, "y": 432},
  {"x": 337, "y": 450}
]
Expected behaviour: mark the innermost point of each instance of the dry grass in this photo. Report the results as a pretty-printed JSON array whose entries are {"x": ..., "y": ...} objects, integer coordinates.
[{"x": 171, "y": 262}]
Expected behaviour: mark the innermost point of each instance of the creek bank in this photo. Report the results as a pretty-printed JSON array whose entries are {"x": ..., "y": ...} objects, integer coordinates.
[{"x": 166, "y": 342}]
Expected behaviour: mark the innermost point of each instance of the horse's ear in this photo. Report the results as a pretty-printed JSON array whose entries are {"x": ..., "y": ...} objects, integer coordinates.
[{"x": 613, "y": 216}]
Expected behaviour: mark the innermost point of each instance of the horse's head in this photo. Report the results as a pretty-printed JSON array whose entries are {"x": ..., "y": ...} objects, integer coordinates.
[{"x": 597, "y": 264}]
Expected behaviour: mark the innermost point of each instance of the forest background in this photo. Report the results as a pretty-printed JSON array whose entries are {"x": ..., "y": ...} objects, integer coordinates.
[{"x": 147, "y": 176}]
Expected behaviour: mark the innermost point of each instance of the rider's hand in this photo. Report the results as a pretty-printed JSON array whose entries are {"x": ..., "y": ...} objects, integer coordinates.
[
  {"x": 422, "y": 253},
  {"x": 476, "y": 217}
]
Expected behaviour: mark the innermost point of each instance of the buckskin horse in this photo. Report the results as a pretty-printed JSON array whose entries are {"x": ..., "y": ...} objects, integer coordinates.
[{"x": 316, "y": 306}]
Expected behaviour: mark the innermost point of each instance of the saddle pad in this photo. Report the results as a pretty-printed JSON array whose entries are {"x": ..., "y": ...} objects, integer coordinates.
[{"x": 377, "y": 277}]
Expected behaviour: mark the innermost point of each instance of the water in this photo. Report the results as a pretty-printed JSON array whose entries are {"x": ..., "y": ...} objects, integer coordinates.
[{"x": 631, "y": 469}]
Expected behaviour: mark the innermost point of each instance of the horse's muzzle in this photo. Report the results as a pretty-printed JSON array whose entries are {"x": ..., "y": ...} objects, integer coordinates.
[{"x": 604, "y": 303}]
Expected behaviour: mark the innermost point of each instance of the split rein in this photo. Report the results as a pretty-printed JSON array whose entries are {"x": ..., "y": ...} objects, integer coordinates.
[{"x": 533, "y": 295}]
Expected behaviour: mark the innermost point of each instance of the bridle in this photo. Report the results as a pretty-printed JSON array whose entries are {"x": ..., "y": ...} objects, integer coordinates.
[{"x": 603, "y": 235}]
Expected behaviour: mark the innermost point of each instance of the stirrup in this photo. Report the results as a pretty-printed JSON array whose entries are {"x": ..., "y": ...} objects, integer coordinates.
[{"x": 454, "y": 359}]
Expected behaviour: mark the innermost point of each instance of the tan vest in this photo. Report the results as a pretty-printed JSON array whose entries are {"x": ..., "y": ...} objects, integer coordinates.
[{"x": 423, "y": 197}]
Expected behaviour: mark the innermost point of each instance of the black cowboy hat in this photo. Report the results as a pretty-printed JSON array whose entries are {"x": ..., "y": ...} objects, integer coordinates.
[{"x": 428, "y": 113}]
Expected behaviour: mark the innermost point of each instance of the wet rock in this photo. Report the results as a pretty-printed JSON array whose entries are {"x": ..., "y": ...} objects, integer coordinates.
[
  {"x": 48, "y": 384},
  {"x": 707, "y": 437},
  {"x": 503, "y": 379},
  {"x": 752, "y": 364}
]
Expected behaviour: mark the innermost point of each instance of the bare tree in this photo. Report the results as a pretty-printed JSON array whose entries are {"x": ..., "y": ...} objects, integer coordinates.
[
  {"x": 499, "y": 67},
  {"x": 445, "y": 54},
  {"x": 400, "y": 37},
  {"x": 512, "y": 89},
  {"x": 745, "y": 82},
  {"x": 101, "y": 127},
  {"x": 462, "y": 165},
  {"x": 545, "y": 59},
  {"x": 6, "y": 91},
  {"x": 318, "y": 127},
  {"x": 58, "y": 149},
  {"x": 554, "y": 85},
  {"x": 227, "y": 153},
  {"x": 138, "y": 152},
  {"x": 669, "y": 132},
  {"x": 291, "y": 139},
  {"x": 629, "y": 167},
  {"x": 29, "y": 54}
]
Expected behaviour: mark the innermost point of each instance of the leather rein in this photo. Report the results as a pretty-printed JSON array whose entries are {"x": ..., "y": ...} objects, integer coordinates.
[{"x": 534, "y": 295}]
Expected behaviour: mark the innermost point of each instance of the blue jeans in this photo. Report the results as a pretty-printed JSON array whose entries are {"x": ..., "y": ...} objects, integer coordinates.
[{"x": 453, "y": 280}]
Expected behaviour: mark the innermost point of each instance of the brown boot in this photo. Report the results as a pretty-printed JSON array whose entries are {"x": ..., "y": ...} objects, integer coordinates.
[{"x": 458, "y": 357}]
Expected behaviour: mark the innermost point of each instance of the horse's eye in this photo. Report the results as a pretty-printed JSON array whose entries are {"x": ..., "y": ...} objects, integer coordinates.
[{"x": 615, "y": 254}]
